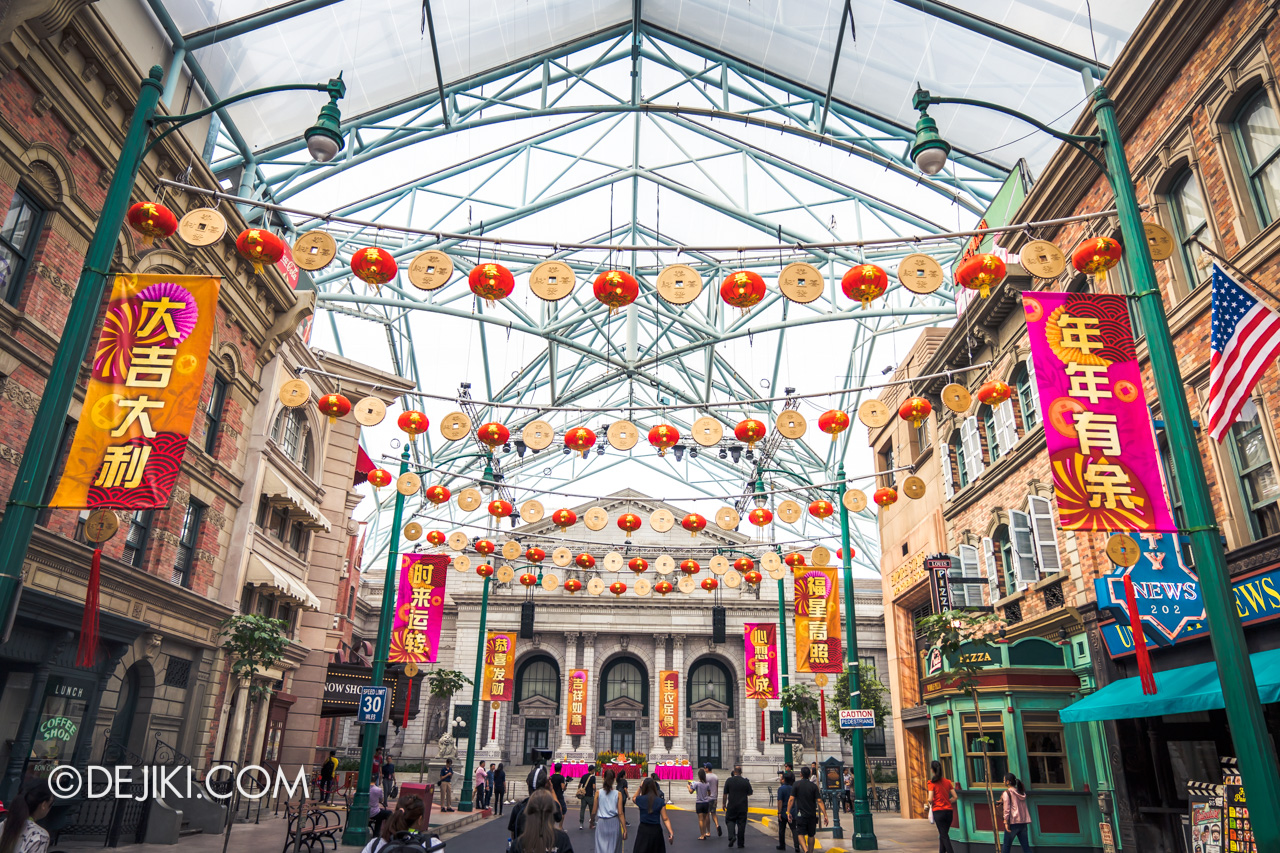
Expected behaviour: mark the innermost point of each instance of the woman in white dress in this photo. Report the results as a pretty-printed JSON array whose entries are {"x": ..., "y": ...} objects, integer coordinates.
[{"x": 611, "y": 825}]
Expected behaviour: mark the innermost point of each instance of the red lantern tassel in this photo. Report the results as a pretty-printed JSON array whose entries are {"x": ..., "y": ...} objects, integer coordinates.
[
  {"x": 87, "y": 653},
  {"x": 762, "y": 725},
  {"x": 493, "y": 733},
  {"x": 1139, "y": 639},
  {"x": 408, "y": 697},
  {"x": 822, "y": 700}
]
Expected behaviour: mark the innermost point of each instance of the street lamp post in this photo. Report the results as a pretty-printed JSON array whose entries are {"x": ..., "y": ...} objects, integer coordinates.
[
  {"x": 324, "y": 140},
  {"x": 356, "y": 833},
  {"x": 464, "y": 797},
  {"x": 782, "y": 634},
  {"x": 1253, "y": 745}
]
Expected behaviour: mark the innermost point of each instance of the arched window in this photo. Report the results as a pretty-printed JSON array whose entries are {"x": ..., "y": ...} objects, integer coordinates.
[
  {"x": 1024, "y": 383},
  {"x": 1186, "y": 205},
  {"x": 1258, "y": 137},
  {"x": 957, "y": 452},
  {"x": 537, "y": 677},
  {"x": 293, "y": 436},
  {"x": 624, "y": 678},
  {"x": 710, "y": 679},
  {"x": 1003, "y": 553}
]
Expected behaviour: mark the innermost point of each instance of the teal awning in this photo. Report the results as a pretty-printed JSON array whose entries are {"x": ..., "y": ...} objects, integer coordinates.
[{"x": 1180, "y": 691}]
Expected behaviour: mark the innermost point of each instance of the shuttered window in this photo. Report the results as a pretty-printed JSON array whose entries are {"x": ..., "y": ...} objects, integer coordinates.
[
  {"x": 972, "y": 447},
  {"x": 993, "y": 573},
  {"x": 968, "y": 594},
  {"x": 1022, "y": 548},
  {"x": 1006, "y": 426},
  {"x": 1045, "y": 533},
  {"x": 944, "y": 460}
]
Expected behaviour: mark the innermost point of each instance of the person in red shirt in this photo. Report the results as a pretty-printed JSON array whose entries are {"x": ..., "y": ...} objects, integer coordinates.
[{"x": 942, "y": 799}]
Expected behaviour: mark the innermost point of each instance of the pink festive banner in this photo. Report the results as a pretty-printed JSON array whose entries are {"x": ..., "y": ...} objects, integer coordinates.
[
  {"x": 762, "y": 660},
  {"x": 415, "y": 633},
  {"x": 1097, "y": 425}
]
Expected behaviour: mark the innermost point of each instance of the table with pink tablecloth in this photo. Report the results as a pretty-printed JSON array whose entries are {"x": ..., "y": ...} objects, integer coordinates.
[
  {"x": 678, "y": 772},
  {"x": 572, "y": 770}
]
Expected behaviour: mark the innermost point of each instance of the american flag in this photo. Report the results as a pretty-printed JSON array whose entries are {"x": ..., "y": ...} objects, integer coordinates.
[{"x": 1246, "y": 337}]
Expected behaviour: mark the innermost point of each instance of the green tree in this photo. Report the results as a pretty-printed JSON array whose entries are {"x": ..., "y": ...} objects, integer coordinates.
[
  {"x": 446, "y": 682},
  {"x": 872, "y": 696},
  {"x": 803, "y": 704},
  {"x": 254, "y": 644}
]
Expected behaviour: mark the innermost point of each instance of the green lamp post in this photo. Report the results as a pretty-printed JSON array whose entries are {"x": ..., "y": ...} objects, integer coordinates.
[
  {"x": 324, "y": 141},
  {"x": 464, "y": 796},
  {"x": 1253, "y": 745},
  {"x": 782, "y": 631}
]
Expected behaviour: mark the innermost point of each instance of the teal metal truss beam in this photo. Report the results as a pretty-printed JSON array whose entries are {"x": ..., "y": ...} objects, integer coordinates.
[{"x": 255, "y": 21}]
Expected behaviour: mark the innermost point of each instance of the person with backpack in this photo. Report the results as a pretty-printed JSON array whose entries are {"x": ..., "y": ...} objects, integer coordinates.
[
  {"x": 539, "y": 833},
  {"x": 328, "y": 773},
  {"x": 808, "y": 805},
  {"x": 557, "y": 788},
  {"x": 515, "y": 823},
  {"x": 606, "y": 814},
  {"x": 399, "y": 831},
  {"x": 586, "y": 796},
  {"x": 1017, "y": 817}
]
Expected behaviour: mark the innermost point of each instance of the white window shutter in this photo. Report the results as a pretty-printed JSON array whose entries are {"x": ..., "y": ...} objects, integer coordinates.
[
  {"x": 972, "y": 448},
  {"x": 944, "y": 461},
  {"x": 1031, "y": 383},
  {"x": 1023, "y": 546},
  {"x": 1046, "y": 535},
  {"x": 1006, "y": 426},
  {"x": 993, "y": 574},
  {"x": 971, "y": 595}
]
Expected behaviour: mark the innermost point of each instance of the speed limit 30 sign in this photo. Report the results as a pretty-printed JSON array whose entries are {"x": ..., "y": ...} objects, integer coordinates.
[{"x": 373, "y": 705}]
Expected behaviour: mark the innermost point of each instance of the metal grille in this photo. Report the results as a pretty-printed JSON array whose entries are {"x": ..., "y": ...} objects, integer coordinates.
[
  {"x": 1013, "y": 612},
  {"x": 177, "y": 673},
  {"x": 919, "y": 613},
  {"x": 1053, "y": 597}
]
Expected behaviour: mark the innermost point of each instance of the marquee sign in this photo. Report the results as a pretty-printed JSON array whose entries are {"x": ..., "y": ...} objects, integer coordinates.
[
  {"x": 415, "y": 632},
  {"x": 938, "y": 568},
  {"x": 762, "y": 660},
  {"x": 907, "y": 575},
  {"x": 576, "y": 719},
  {"x": 1168, "y": 594},
  {"x": 669, "y": 703},
  {"x": 818, "y": 646}
]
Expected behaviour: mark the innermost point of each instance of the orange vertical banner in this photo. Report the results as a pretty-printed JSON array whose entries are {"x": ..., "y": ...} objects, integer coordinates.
[
  {"x": 499, "y": 667},
  {"x": 669, "y": 703},
  {"x": 818, "y": 646},
  {"x": 576, "y": 719}
]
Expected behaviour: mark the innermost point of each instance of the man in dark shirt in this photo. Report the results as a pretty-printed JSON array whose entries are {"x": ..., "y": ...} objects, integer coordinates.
[
  {"x": 736, "y": 791},
  {"x": 557, "y": 788},
  {"x": 786, "y": 781},
  {"x": 446, "y": 785},
  {"x": 808, "y": 805}
]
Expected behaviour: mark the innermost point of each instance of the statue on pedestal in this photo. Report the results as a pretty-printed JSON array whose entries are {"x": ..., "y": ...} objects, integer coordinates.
[{"x": 446, "y": 747}]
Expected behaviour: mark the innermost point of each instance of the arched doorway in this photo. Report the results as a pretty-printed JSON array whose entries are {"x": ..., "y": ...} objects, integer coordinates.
[
  {"x": 710, "y": 709},
  {"x": 133, "y": 712},
  {"x": 624, "y": 701},
  {"x": 537, "y": 704}
]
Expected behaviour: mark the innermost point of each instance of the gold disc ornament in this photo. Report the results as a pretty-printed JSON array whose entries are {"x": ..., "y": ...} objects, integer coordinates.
[
  {"x": 562, "y": 557},
  {"x": 707, "y": 431},
  {"x": 408, "y": 483},
  {"x": 791, "y": 424},
  {"x": 430, "y": 270},
  {"x": 665, "y": 564},
  {"x": 413, "y": 531},
  {"x": 874, "y": 414},
  {"x": 820, "y": 555},
  {"x": 511, "y": 549},
  {"x": 732, "y": 579},
  {"x": 505, "y": 573},
  {"x": 1042, "y": 259},
  {"x": 203, "y": 226},
  {"x": 1159, "y": 241},
  {"x": 913, "y": 487},
  {"x": 727, "y": 518},
  {"x": 469, "y": 499},
  {"x": 552, "y": 280},
  {"x": 550, "y": 582},
  {"x": 789, "y": 511},
  {"x": 455, "y": 426},
  {"x": 294, "y": 393},
  {"x": 531, "y": 511},
  {"x": 369, "y": 411},
  {"x": 595, "y": 518},
  {"x": 719, "y": 564},
  {"x": 458, "y": 540},
  {"x": 1123, "y": 550},
  {"x": 623, "y": 435},
  {"x": 411, "y": 670},
  {"x": 101, "y": 525},
  {"x": 462, "y": 563},
  {"x": 679, "y": 284},
  {"x": 956, "y": 398},
  {"x": 595, "y": 586},
  {"x": 686, "y": 584},
  {"x": 762, "y": 704},
  {"x": 854, "y": 500},
  {"x": 778, "y": 574},
  {"x": 314, "y": 250},
  {"x": 821, "y": 679},
  {"x": 920, "y": 273},
  {"x": 612, "y": 561},
  {"x": 662, "y": 520},
  {"x": 770, "y": 560},
  {"x": 538, "y": 435},
  {"x": 800, "y": 282},
  {"x": 642, "y": 587}
]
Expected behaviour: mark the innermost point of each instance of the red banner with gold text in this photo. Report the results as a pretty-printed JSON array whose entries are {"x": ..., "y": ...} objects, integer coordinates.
[
  {"x": 499, "y": 667},
  {"x": 818, "y": 647},
  {"x": 576, "y": 719},
  {"x": 669, "y": 703}
]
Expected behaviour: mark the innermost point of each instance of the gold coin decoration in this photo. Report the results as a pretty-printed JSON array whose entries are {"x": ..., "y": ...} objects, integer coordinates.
[
  {"x": 821, "y": 679},
  {"x": 854, "y": 500},
  {"x": 820, "y": 556},
  {"x": 314, "y": 250},
  {"x": 595, "y": 518},
  {"x": 662, "y": 520},
  {"x": 727, "y": 518},
  {"x": 511, "y": 549},
  {"x": 203, "y": 226},
  {"x": 595, "y": 586},
  {"x": 613, "y": 561},
  {"x": 562, "y": 557},
  {"x": 408, "y": 483},
  {"x": 686, "y": 584},
  {"x": 411, "y": 669},
  {"x": 778, "y": 573},
  {"x": 679, "y": 284},
  {"x": 789, "y": 511},
  {"x": 294, "y": 393},
  {"x": 1159, "y": 241},
  {"x": 462, "y": 563},
  {"x": 413, "y": 531},
  {"x": 550, "y": 582},
  {"x": 732, "y": 579},
  {"x": 791, "y": 424},
  {"x": 770, "y": 560},
  {"x": 707, "y": 431},
  {"x": 762, "y": 704},
  {"x": 623, "y": 435},
  {"x": 505, "y": 573},
  {"x": 101, "y": 525},
  {"x": 665, "y": 564},
  {"x": 469, "y": 499},
  {"x": 531, "y": 511},
  {"x": 956, "y": 398},
  {"x": 369, "y": 411},
  {"x": 455, "y": 426},
  {"x": 458, "y": 540},
  {"x": 1042, "y": 259},
  {"x": 920, "y": 273},
  {"x": 430, "y": 270},
  {"x": 642, "y": 587},
  {"x": 913, "y": 487},
  {"x": 1123, "y": 550},
  {"x": 874, "y": 414},
  {"x": 538, "y": 435},
  {"x": 719, "y": 564},
  {"x": 552, "y": 280},
  {"x": 800, "y": 282},
  {"x": 495, "y": 704}
]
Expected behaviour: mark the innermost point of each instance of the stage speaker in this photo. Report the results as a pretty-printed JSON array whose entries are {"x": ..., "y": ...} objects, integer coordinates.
[
  {"x": 717, "y": 624},
  {"x": 526, "y": 620}
]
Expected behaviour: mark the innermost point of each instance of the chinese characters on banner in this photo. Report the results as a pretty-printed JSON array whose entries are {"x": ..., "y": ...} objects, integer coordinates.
[
  {"x": 1097, "y": 425},
  {"x": 818, "y": 647},
  {"x": 762, "y": 660},
  {"x": 576, "y": 719},
  {"x": 148, "y": 371},
  {"x": 415, "y": 633},
  {"x": 499, "y": 666},
  {"x": 669, "y": 703}
]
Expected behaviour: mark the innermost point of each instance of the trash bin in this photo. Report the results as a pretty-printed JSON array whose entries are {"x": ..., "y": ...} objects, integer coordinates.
[{"x": 426, "y": 791}]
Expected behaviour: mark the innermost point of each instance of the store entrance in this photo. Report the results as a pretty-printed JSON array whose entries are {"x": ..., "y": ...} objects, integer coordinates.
[{"x": 709, "y": 744}]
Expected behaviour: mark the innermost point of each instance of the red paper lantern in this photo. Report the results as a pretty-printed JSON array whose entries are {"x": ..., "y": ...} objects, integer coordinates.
[
  {"x": 743, "y": 290},
  {"x": 744, "y": 564},
  {"x": 760, "y": 516},
  {"x": 710, "y": 584},
  {"x": 629, "y": 522},
  {"x": 915, "y": 409},
  {"x": 663, "y": 436},
  {"x": 564, "y": 519},
  {"x": 435, "y": 537},
  {"x": 821, "y": 509},
  {"x": 438, "y": 495},
  {"x": 484, "y": 570},
  {"x": 580, "y": 439},
  {"x": 1094, "y": 257},
  {"x": 259, "y": 246},
  {"x": 491, "y": 282},
  {"x": 981, "y": 273},
  {"x": 749, "y": 431},
  {"x": 493, "y": 435},
  {"x": 585, "y": 561},
  {"x": 485, "y": 547},
  {"x": 152, "y": 220},
  {"x": 693, "y": 523},
  {"x": 534, "y": 554},
  {"x": 795, "y": 559},
  {"x": 638, "y": 565},
  {"x": 334, "y": 405},
  {"x": 753, "y": 577},
  {"x": 500, "y": 508},
  {"x": 572, "y": 585},
  {"x": 864, "y": 283},
  {"x": 690, "y": 567},
  {"x": 994, "y": 393},
  {"x": 833, "y": 422},
  {"x": 663, "y": 587},
  {"x": 373, "y": 265},
  {"x": 414, "y": 423},
  {"x": 528, "y": 579},
  {"x": 885, "y": 497},
  {"x": 617, "y": 587},
  {"x": 379, "y": 477},
  {"x": 840, "y": 553},
  {"x": 617, "y": 289}
]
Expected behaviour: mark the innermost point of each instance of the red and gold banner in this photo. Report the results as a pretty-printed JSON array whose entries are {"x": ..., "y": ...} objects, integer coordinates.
[
  {"x": 148, "y": 371},
  {"x": 762, "y": 660},
  {"x": 415, "y": 630},
  {"x": 499, "y": 666},
  {"x": 576, "y": 719},
  {"x": 818, "y": 646},
  {"x": 669, "y": 703}
]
